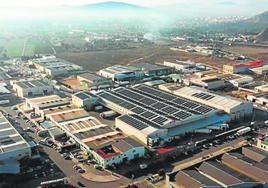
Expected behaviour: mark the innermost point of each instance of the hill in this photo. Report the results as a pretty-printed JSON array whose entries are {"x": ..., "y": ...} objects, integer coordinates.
[
  {"x": 263, "y": 36},
  {"x": 112, "y": 6},
  {"x": 260, "y": 18}
]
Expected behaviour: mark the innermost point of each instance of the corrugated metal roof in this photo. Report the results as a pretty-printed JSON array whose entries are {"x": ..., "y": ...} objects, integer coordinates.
[{"x": 223, "y": 101}]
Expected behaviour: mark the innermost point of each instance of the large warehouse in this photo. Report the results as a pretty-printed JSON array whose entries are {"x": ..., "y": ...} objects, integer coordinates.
[
  {"x": 154, "y": 116},
  {"x": 236, "y": 108},
  {"x": 31, "y": 88},
  {"x": 13, "y": 147}
]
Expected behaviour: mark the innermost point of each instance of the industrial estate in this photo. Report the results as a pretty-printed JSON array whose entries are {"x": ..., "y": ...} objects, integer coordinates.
[{"x": 193, "y": 119}]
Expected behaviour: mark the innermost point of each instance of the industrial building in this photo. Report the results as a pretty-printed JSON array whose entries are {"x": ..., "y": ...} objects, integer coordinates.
[
  {"x": 237, "y": 109},
  {"x": 120, "y": 73},
  {"x": 211, "y": 83},
  {"x": 155, "y": 116},
  {"x": 246, "y": 166},
  {"x": 183, "y": 66},
  {"x": 226, "y": 176},
  {"x": 13, "y": 148},
  {"x": 108, "y": 146},
  {"x": 241, "y": 81},
  {"x": 31, "y": 88},
  {"x": 193, "y": 179},
  {"x": 84, "y": 100},
  {"x": 260, "y": 70},
  {"x": 232, "y": 170},
  {"x": 120, "y": 151},
  {"x": 43, "y": 105},
  {"x": 242, "y": 67},
  {"x": 94, "y": 81},
  {"x": 4, "y": 94},
  {"x": 55, "y": 67},
  {"x": 154, "y": 70}
]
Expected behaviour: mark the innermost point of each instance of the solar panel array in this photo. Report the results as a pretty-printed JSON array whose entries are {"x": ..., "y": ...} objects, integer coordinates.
[
  {"x": 156, "y": 106},
  {"x": 203, "y": 96}
]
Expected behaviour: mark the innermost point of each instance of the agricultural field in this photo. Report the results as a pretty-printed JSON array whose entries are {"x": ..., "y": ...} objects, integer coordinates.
[
  {"x": 26, "y": 47},
  {"x": 97, "y": 60},
  {"x": 255, "y": 52}
]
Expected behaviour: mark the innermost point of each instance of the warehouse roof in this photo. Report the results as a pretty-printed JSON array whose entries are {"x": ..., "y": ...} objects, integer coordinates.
[
  {"x": 10, "y": 139},
  {"x": 91, "y": 76},
  {"x": 31, "y": 84},
  {"x": 126, "y": 144},
  {"x": 193, "y": 179},
  {"x": 82, "y": 95},
  {"x": 80, "y": 125},
  {"x": 245, "y": 166},
  {"x": 68, "y": 116},
  {"x": 150, "y": 67},
  {"x": 155, "y": 107},
  {"x": 3, "y": 89},
  {"x": 206, "y": 97},
  {"x": 116, "y": 69},
  {"x": 223, "y": 173}
]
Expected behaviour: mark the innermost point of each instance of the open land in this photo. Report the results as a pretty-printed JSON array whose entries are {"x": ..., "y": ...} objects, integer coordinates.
[
  {"x": 150, "y": 54},
  {"x": 26, "y": 47},
  {"x": 260, "y": 53}
]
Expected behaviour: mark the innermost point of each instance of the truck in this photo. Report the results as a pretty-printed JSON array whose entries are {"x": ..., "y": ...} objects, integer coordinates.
[
  {"x": 97, "y": 108},
  {"x": 243, "y": 131},
  {"x": 107, "y": 114},
  {"x": 203, "y": 131}
]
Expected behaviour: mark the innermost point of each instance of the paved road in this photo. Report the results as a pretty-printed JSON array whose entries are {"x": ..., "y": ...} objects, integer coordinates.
[
  {"x": 66, "y": 166},
  {"x": 210, "y": 153}
]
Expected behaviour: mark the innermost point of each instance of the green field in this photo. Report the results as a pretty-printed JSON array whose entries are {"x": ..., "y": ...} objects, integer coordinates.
[
  {"x": 14, "y": 47},
  {"x": 26, "y": 47}
]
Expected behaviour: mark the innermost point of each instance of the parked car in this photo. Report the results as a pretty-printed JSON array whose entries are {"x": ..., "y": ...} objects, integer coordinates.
[
  {"x": 80, "y": 184},
  {"x": 143, "y": 166},
  {"x": 81, "y": 171}
]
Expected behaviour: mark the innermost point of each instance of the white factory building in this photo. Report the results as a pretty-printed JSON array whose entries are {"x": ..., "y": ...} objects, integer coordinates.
[
  {"x": 31, "y": 88},
  {"x": 13, "y": 147},
  {"x": 236, "y": 108},
  {"x": 155, "y": 116},
  {"x": 119, "y": 73},
  {"x": 55, "y": 67},
  {"x": 241, "y": 81},
  {"x": 183, "y": 66}
]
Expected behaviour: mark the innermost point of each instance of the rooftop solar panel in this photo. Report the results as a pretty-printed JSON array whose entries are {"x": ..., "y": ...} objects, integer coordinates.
[
  {"x": 170, "y": 110},
  {"x": 203, "y": 96},
  {"x": 203, "y": 109},
  {"x": 127, "y": 105},
  {"x": 191, "y": 105},
  {"x": 182, "y": 115},
  {"x": 159, "y": 105},
  {"x": 160, "y": 120},
  {"x": 138, "y": 110},
  {"x": 149, "y": 115},
  {"x": 179, "y": 101},
  {"x": 133, "y": 122}
]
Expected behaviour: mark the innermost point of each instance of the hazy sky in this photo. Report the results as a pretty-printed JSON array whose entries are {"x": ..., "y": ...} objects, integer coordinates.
[
  {"x": 256, "y": 3},
  {"x": 17, "y": 8}
]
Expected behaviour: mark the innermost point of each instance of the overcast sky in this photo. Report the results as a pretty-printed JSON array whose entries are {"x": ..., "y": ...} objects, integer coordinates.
[
  {"x": 197, "y": 7},
  {"x": 256, "y": 3}
]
